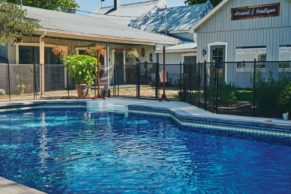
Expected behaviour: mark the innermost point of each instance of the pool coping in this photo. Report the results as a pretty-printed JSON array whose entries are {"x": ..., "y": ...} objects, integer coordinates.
[{"x": 11, "y": 187}]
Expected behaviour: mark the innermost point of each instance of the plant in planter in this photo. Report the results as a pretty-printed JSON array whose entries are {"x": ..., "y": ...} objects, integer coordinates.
[
  {"x": 21, "y": 87},
  {"x": 133, "y": 54},
  {"x": 83, "y": 71},
  {"x": 284, "y": 101}
]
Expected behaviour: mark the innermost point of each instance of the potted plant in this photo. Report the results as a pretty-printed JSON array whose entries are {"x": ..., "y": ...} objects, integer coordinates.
[
  {"x": 82, "y": 69},
  {"x": 21, "y": 87},
  {"x": 285, "y": 101}
]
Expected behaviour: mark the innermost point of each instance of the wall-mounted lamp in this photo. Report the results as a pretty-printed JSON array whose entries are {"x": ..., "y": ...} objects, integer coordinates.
[{"x": 204, "y": 52}]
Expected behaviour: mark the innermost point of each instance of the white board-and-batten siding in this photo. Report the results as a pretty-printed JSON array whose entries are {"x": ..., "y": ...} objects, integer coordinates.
[{"x": 270, "y": 32}]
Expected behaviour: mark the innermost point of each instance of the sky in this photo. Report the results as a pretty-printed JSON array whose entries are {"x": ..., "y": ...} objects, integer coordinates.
[{"x": 91, "y": 5}]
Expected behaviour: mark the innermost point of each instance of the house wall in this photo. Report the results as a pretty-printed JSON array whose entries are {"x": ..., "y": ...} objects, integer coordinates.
[
  {"x": 173, "y": 61},
  {"x": 271, "y": 32}
]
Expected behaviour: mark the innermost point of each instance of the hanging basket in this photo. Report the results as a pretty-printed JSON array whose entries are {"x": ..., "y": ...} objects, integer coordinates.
[
  {"x": 133, "y": 53},
  {"x": 60, "y": 51}
]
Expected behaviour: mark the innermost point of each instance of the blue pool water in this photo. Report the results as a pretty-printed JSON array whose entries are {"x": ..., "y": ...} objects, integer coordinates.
[{"x": 77, "y": 152}]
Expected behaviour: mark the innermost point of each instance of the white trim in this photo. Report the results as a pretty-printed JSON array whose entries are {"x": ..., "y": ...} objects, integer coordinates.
[
  {"x": 209, "y": 15},
  {"x": 225, "y": 44},
  {"x": 217, "y": 44}
]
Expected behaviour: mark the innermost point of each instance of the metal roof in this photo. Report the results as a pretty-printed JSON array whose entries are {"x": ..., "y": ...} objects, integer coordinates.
[
  {"x": 132, "y": 10},
  {"x": 173, "y": 19},
  {"x": 99, "y": 27}
]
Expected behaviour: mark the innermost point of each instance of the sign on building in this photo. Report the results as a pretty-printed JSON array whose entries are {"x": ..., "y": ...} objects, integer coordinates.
[{"x": 258, "y": 11}]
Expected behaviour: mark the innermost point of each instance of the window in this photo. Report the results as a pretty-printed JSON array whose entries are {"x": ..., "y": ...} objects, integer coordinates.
[
  {"x": 285, "y": 59},
  {"x": 246, "y": 56},
  {"x": 28, "y": 54}
]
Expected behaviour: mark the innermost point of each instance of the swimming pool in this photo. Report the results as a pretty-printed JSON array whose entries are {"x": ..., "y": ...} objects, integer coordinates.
[{"x": 73, "y": 151}]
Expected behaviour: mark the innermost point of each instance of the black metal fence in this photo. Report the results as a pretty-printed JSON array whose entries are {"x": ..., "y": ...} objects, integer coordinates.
[
  {"x": 19, "y": 82},
  {"x": 240, "y": 88},
  {"x": 250, "y": 88}
]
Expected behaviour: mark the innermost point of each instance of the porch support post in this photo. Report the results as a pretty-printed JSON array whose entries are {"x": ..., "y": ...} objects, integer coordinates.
[
  {"x": 41, "y": 61},
  {"x": 108, "y": 67},
  {"x": 124, "y": 64},
  {"x": 16, "y": 53}
]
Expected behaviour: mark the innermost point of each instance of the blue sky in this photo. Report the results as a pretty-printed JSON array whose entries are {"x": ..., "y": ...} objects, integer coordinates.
[{"x": 91, "y": 5}]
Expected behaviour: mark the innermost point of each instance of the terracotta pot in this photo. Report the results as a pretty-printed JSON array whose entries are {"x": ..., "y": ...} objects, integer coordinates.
[{"x": 83, "y": 90}]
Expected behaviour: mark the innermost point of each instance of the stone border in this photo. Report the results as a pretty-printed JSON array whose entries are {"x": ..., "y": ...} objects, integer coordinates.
[{"x": 216, "y": 123}]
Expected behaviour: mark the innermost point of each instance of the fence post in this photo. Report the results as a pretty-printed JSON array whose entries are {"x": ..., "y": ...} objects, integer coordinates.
[
  {"x": 205, "y": 86},
  {"x": 190, "y": 83},
  {"x": 117, "y": 66},
  {"x": 180, "y": 83},
  {"x": 254, "y": 87},
  {"x": 216, "y": 86},
  {"x": 9, "y": 84},
  {"x": 68, "y": 84},
  {"x": 157, "y": 80},
  {"x": 138, "y": 80},
  {"x": 199, "y": 83},
  {"x": 34, "y": 81},
  {"x": 184, "y": 84},
  {"x": 114, "y": 82}
]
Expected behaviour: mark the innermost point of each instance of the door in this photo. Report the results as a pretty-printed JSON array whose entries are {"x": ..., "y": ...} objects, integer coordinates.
[
  {"x": 217, "y": 75},
  {"x": 217, "y": 57},
  {"x": 217, "y": 54}
]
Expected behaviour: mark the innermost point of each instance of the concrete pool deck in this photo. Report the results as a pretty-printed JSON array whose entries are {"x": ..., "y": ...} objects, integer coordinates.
[
  {"x": 10, "y": 187},
  {"x": 121, "y": 104}
]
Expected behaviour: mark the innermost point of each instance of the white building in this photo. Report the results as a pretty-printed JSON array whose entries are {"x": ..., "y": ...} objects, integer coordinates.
[{"x": 244, "y": 30}]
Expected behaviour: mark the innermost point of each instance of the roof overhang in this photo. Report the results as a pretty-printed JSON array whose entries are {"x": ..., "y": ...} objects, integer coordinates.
[
  {"x": 178, "y": 51},
  {"x": 110, "y": 39}
]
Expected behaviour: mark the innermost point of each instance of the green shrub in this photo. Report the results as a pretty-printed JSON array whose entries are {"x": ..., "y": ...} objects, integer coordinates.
[
  {"x": 82, "y": 68},
  {"x": 269, "y": 92},
  {"x": 284, "y": 100},
  {"x": 226, "y": 93}
]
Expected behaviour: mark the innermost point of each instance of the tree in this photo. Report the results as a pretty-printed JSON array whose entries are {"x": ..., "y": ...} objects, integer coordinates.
[
  {"x": 14, "y": 26},
  {"x": 193, "y": 2},
  {"x": 59, "y": 5}
]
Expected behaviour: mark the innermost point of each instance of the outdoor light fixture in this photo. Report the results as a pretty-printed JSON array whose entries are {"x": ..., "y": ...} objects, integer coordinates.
[{"x": 204, "y": 52}]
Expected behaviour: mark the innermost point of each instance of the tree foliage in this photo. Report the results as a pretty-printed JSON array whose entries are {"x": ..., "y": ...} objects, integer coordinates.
[
  {"x": 59, "y": 5},
  {"x": 14, "y": 26},
  {"x": 193, "y": 2}
]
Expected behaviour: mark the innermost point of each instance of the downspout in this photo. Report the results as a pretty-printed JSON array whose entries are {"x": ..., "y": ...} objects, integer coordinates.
[{"x": 41, "y": 61}]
